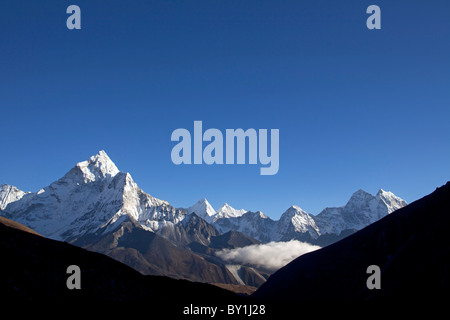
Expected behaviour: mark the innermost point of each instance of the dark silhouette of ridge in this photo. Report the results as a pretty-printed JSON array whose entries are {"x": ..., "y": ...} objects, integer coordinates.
[
  {"x": 33, "y": 268},
  {"x": 411, "y": 246}
]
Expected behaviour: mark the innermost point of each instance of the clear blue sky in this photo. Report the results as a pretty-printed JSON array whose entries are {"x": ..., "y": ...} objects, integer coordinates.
[{"x": 356, "y": 108}]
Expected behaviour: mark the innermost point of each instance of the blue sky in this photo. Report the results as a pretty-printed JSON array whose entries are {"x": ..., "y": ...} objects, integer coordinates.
[{"x": 356, "y": 108}]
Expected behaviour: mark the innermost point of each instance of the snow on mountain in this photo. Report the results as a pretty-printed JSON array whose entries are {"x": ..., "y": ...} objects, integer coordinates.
[
  {"x": 9, "y": 194},
  {"x": 203, "y": 209},
  {"x": 361, "y": 210},
  {"x": 83, "y": 199},
  {"x": 391, "y": 201},
  {"x": 226, "y": 211},
  {"x": 254, "y": 224},
  {"x": 226, "y": 218},
  {"x": 99, "y": 166},
  {"x": 91, "y": 195},
  {"x": 293, "y": 222}
]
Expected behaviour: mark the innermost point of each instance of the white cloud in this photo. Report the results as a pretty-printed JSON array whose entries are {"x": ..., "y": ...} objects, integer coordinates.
[{"x": 271, "y": 256}]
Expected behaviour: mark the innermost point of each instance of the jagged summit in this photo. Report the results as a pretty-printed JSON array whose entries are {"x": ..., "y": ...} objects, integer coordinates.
[
  {"x": 361, "y": 210},
  {"x": 204, "y": 202},
  {"x": 390, "y": 200},
  {"x": 295, "y": 210},
  {"x": 9, "y": 194},
  {"x": 203, "y": 209},
  {"x": 98, "y": 166},
  {"x": 226, "y": 211},
  {"x": 295, "y": 220},
  {"x": 385, "y": 194},
  {"x": 360, "y": 194}
]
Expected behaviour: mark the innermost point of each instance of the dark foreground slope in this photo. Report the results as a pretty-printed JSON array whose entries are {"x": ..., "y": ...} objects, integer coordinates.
[
  {"x": 33, "y": 268},
  {"x": 151, "y": 254},
  {"x": 411, "y": 246}
]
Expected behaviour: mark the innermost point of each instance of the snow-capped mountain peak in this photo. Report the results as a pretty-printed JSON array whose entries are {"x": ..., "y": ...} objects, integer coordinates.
[
  {"x": 98, "y": 166},
  {"x": 9, "y": 194},
  {"x": 361, "y": 210},
  {"x": 226, "y": 211},
  {"x": 390, "y": 200},
  {"x": 359, "y": 196},
  {"x": 203, "y": 209},
  {"x": 92, "y": 195},
  {"x": 295, "y": 210},
  {"x": 295, "y": 220}
]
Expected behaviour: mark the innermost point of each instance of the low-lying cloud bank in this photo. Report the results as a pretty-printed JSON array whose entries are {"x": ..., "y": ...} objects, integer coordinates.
[{"x": 270, "y": 256}]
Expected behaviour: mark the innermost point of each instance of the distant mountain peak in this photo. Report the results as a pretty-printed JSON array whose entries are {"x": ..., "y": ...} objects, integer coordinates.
[
  {"x": 383, "y": 193},
  {"x": 390, "y": 200},
  {"x": 292, "y": 211},
  {"x": 294, "y": 220},
  {"x": 360, "y": 193},
  {"x": 361, "y": 210},
  {"x": 227, "y": 211},
  {"x": 297, "y": 209},
  {"x": 262, "y": 215},
  {"x": 225, "y": 206},
  {"x": 203, "y": 209},
  {"x": 359, "y": 199},
  {"x": 9, "y": 194}
]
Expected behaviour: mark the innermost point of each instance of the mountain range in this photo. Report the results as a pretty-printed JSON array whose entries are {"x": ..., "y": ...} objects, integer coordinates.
[
  {"x": 100, "y": 208},
  {"x": 361, "y": 210}
]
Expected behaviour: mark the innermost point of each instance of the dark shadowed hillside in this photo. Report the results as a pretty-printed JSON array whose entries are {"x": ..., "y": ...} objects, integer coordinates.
[
  {"x": 411, "y": 246},
  {"x": 152, "y": 254},
  {"x": 34, "y": 268}
]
